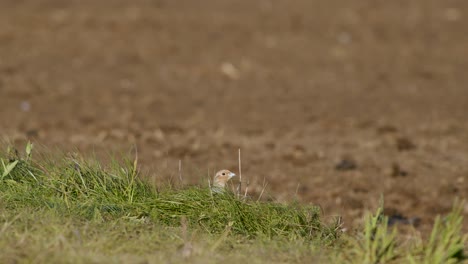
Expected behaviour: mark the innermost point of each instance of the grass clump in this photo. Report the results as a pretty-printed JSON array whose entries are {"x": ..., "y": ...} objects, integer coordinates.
[
  {"x": 77, "y": 188},
  {"x": 376, "y": 244},
  {"x": 446, "y": 243},
  {"x": 69, "y": 210}
]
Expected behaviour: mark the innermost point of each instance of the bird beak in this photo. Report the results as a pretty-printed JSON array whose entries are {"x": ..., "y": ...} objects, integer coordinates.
[{"x": 231, "y": 175}]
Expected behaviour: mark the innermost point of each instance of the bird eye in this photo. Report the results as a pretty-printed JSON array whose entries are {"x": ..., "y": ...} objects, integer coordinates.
[{"x": 224, "y": 173}]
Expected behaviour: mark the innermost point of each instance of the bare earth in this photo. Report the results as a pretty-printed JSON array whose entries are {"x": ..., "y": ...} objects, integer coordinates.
[{"x": 331, "y": 102}]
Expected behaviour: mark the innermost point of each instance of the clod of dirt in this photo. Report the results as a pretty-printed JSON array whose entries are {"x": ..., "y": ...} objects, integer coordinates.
[
  {"x": 449, "y": 188},
  {"x": 397, "y": 171},
  {"x": 386, "y": 129},
  {"x": 400, "y": 219},
  {"x": 270, "y": 145},
  {"x": 404, "y": 144},
  {"x": 346, "y": 164},
  {"x": 452, "y": 14},
  {"x": 353, "y": 202},
  {"x": 296, "y": 155},
  {"x": 360, "y": 189},
  {"x": 32, "y": 133},
  {"x": 172, "y": 129},
  {"x": 25, "y": 106},
  {"x": 230, "y": 71},
  {"x": 183, "y": 151}
]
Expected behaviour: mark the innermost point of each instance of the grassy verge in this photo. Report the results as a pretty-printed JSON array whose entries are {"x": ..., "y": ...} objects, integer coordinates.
[{"x": 68, "y": 210}]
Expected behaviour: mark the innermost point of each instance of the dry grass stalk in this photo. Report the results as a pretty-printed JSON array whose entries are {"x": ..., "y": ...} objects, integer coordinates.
[
  {"x": 180, "y": 171},
  {"x": 263, "y": 189},
  {"x": 239, "y": 187}
]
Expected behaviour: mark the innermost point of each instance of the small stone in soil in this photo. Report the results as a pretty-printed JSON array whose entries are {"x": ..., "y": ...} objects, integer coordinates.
[{"x": 346, "y": 164}]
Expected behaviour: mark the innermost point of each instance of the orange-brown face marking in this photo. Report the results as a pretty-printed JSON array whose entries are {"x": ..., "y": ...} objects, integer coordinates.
[{"x": 222, "y": 177}]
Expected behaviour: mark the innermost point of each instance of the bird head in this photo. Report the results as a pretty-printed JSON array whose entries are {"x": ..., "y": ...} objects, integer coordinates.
[{"x": 222, "y": 177}]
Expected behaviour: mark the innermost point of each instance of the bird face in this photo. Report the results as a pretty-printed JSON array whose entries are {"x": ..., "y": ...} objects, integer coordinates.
[{"x": 222, "y": 177}]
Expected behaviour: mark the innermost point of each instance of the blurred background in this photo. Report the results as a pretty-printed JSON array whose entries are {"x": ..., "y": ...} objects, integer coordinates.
[{"x": 331, "y": 102}]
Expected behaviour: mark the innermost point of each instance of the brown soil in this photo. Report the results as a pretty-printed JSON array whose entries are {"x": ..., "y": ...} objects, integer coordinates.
[{"x": 332, "y": 102}]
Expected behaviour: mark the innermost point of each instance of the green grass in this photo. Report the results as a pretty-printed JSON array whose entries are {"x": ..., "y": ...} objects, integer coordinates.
[{"x": 69, "y": 210}]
